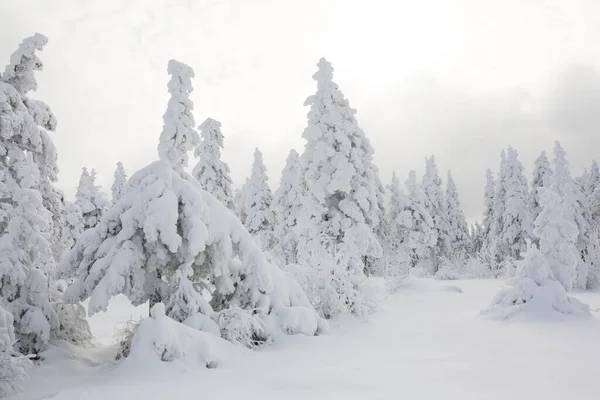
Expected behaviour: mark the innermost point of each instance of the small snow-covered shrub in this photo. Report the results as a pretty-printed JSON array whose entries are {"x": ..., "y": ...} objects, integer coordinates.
[
  {"x": 534, "y": 289},
  {"x": 240, "y": 326},
  {"x": 291, "y": 311},
  {"x": 13, "y": 366}
]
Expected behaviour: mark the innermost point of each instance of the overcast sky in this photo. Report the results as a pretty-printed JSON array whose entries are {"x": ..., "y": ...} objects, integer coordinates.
[{"x": 460, "y": 79}]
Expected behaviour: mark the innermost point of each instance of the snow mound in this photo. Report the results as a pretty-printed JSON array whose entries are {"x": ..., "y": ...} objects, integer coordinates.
[
  {"x": 535, "y": 292},
  {"x": 202, "y": 323},
  {"x": 162, "y": 339},
  {"x": 407, "y": 282},
  {"x": 537, "y": 301},
  {"x": 292, "y": 312},
  {"x": 452, "y": 288}
]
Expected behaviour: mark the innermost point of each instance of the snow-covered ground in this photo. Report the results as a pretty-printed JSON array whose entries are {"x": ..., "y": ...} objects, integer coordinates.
[{"x": 429, "y": 341}]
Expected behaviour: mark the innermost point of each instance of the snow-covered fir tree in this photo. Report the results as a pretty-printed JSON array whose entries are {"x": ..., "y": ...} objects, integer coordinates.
[
  {"x": 458, "y": 230},
  {"x": 26, "y": 257},
  {"x": 288, "y": 206},
  {"x": 237, "y": 200},
  {"x": 119, "y": 182},
  {"x": 376, "y": 263},
  {"x": 534, "y": 289},
  {"x": 74, "y": 225},
  {"x": 517, "y": 223},
  {"x": 592, "y": 191},
  {"x": 13, "y": 366},
  {"x": 341, "y": 207},
  {"x": 575, "y": 210},
  {"x": 90, "y": 199},
  {"x": 395, "y": 242},
  {"x": 20, "y": 73},
  {"x": 557, "y": 236},
  {"x": 422, "y": 235},
  {"x": 488, "y": 224},
  {"x": 257, "y": 204},
  {"x": 436, "y": 206},
  {"x": 542, "y": 173},
  {"x": 211, "y": 171},
  {"x": 477, "y": 237},
  {"x": 178, "y": 136},
  {"x": 499, "y": 250}
]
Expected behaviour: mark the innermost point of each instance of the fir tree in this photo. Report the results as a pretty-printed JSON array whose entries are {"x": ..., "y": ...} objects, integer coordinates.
[
  {"x": 395, "y": 243},
  {"x": 211, "y": 171},
  {"x": 488, "y": 223},
  {"x": 422, "y": 235},
  {"x": 257, "y": 204},
  {"x": 517, "y": 223},
  {"x": 593, "y": 193},
  {"x": 436, "y": 206},
  {"x": 118, "y": 186},
  {"x": 178, "y": 136},
  {"x": 342, "y": 203},
  {"x": 20, "y": 73},
  {"x": 288, "y": 206},
  {"x": 542, "y": 173},
  {"x": 575, "y": 210},
  {"x": 557, "y": 235},
  {"x": 457, "y": 223},
  {"x": 26, "y": 257},
  {"x": 90, "y": 199},
  {"x": 499, "y": 250}
]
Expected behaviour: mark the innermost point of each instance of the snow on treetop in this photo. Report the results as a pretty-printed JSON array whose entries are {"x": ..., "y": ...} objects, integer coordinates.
[
  {"x": 179, "y": 135},
  {"x": 23, "y": 62},
  {"x": 325, "y": 72},
  {"x": 183, "y": 71}
]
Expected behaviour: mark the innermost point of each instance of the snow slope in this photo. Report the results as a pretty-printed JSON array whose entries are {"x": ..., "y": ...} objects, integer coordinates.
[{"x": 428, "y": 342}]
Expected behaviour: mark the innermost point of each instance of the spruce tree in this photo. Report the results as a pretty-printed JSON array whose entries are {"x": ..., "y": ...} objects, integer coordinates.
[
  {"x": 557, "y": 236},
  {"x": 397, "y": 254},
  {"x": 517, "y": 222},
  {"x": 288, "y": 206},
  {"x": 211, "y": 171},
  {"x": 257, "y": 205},
  {"x": 575, "y": 210},
  {"x": 436, "y": 206},
  {"x": 26, "y": 258},
  {"x": 120, "y": 180},
  {"x": 457, "y": 223},
  {"x": 499, "y": 250},
  {"x": 178, "y": 136},
  {"x": 90, "y": 199},
  {"x": 342, "y": 202},
  {"x": 593, "y": 193},
  {"x": 422, "y": 235},
  {"x": 488, "y": 223},
  {"x": 542, "y": 173},
  {"x": 20, "y": 74}
]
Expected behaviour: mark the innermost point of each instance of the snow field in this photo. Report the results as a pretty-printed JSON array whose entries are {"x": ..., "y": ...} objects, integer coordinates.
[{"x": 428, "y": 341}]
